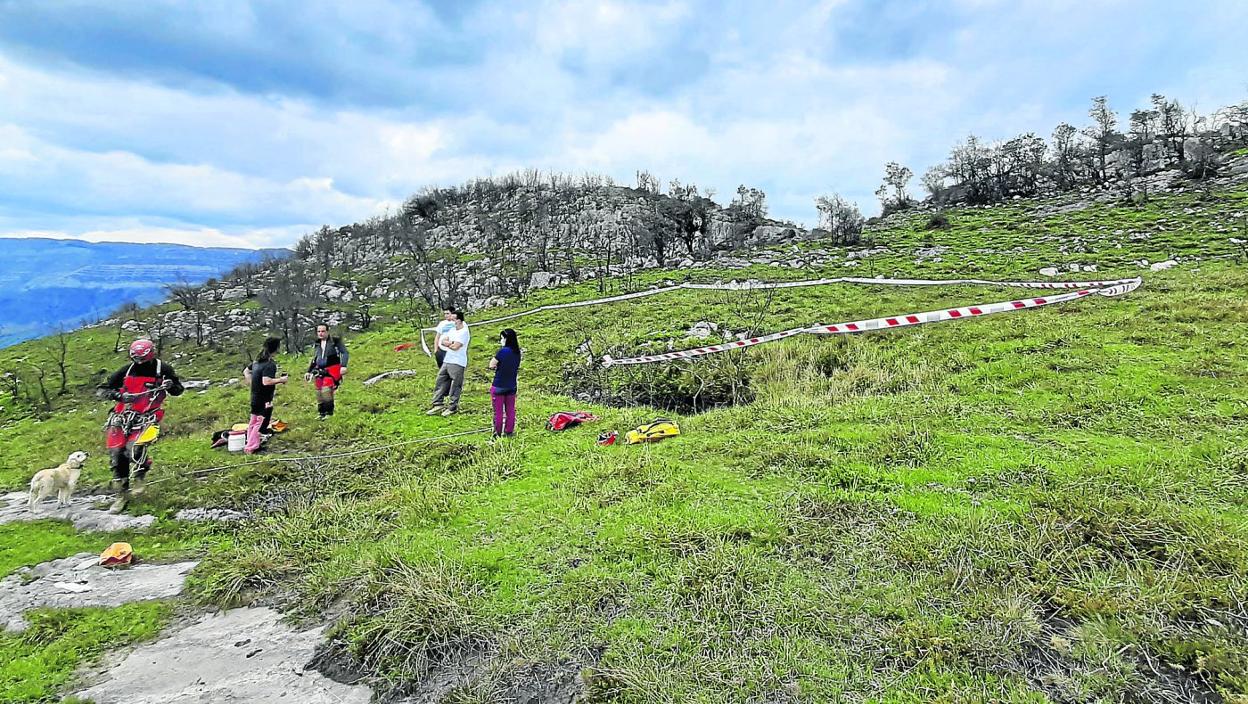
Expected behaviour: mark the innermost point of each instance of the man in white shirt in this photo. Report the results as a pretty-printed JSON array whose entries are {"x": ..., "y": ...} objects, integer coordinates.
[
  {"x": 454, "y": 343},
  {"x": 447, "y": 324}
]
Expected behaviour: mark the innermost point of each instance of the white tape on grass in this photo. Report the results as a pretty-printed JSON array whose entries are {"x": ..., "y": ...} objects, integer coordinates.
[
  {"x": 763, "y": 285},
  {"x": 1103, "y": 288}
]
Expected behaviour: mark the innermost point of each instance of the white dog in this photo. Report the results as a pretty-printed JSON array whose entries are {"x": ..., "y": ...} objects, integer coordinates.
[{"x": 61, "y": 480}]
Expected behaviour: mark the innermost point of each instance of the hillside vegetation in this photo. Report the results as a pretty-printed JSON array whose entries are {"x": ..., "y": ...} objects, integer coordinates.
[{"x": 1033, "y": 507}]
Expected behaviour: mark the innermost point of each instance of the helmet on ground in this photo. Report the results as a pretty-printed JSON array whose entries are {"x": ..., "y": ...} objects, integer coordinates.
[
  {"x": 117, "y": 555},
  {"x": 142, "y": 350}
]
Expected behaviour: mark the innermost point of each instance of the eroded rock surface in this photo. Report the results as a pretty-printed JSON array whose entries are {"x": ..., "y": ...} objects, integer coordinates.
[
  {"x": 79, "y": 581},
  {"x": 244, "y": 656},
  {"x": 82, "y": 512}
]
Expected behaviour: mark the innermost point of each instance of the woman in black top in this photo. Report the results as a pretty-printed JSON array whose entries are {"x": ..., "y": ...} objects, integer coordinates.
[{"x": 262, "y": 375}]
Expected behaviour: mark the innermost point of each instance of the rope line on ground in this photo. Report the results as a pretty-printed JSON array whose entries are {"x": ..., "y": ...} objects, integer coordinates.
[
  {"x": 331, "y": 455},
  {"x": 1109, "y": 288},
  {"x": 763, "y": 285}
]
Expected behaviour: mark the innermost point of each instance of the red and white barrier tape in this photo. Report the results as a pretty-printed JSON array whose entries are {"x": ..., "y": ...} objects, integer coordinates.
[
  {"x": 760, "y": 286},
  {"x": 1103, "y": 288}
]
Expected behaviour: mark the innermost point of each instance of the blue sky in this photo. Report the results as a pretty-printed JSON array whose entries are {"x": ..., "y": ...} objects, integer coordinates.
[{"x": 251, "y": 123}]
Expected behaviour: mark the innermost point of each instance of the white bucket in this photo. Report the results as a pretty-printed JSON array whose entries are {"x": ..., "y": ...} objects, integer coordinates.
[{"x": 237, "y": 441}]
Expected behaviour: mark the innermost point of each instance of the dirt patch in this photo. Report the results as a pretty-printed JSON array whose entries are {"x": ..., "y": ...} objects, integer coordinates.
[
  {"x": 546, "y": 683},
  {"x": 332, "y": 659},
  {"x": 1048, "y": 665},
  {"x": 453, "y": 674},
  {"x": 469, "y": 670},
  {"x": 85, "y": 512},
  {"x": 244, "y": 656},
  {"x": 80, "y": 581}
]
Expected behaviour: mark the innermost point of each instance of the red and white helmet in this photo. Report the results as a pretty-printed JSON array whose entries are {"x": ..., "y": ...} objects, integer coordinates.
[{"x": 142, "y": 350}]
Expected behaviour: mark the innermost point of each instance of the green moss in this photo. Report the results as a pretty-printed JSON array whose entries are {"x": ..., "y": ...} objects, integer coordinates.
[
  {"x": 28, "y": 544},
  {"x": 36, "y": 664}
]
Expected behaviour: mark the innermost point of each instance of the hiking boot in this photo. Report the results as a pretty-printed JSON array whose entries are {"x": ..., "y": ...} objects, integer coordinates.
[
  {"x": 509, "y": 435},
  {"x": 116, "y": 486},
  {"x": 136, "y": 485},
  {"x": 119, "y": 504},
  {"x": 448, "y": 412},
  {"x": 435, "y": 411}
]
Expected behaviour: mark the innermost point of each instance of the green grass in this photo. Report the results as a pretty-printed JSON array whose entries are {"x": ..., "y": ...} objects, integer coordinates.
[
  {"x": 1041, "y": 506},
  {"x": 28, "y": 544},
  {"x": 36, "y": 664}
]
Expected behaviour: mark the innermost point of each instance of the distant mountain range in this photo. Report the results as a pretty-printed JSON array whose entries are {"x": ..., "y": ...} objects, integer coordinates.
[{"x": 46, "y": 283}]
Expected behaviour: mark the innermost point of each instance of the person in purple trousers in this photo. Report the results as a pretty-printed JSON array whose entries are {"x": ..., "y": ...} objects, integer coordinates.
[{"x": 506, "y": 365}]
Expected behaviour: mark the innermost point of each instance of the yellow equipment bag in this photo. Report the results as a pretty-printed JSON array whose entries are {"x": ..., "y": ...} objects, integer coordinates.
[
  {"x": 653, "y": 432},
  {"x": 117, "y": 555},
  {"x": 148, "y": 436}
]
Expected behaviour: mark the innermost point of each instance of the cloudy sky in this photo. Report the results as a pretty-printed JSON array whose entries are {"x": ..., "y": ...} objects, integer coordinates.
[{"x": 250, "y": 123}]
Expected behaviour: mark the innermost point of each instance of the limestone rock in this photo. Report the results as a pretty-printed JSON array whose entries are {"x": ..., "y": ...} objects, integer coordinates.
[{"x": 702, "y": 329}]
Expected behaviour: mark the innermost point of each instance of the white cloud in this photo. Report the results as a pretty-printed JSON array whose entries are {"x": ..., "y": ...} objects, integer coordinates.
[
  {"x": 115, "y": 181},
  {"x": 605, "y": 33},
  {"x": 799, "y": 98}
]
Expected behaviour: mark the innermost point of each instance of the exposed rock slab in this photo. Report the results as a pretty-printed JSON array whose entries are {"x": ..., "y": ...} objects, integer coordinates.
[
  {"x": 244, "y": 656},
  {"x": 79, "y": 581},
  {"x": 82, "y": 512}
]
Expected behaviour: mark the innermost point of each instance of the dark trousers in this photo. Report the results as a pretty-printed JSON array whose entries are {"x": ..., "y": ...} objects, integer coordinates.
[
  {"x": 121, "y": 457},
  {"x": 439, "y": 356}
]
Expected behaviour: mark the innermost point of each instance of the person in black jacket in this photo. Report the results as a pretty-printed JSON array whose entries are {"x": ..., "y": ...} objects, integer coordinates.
[
  {"x": 328, "y": 366},
  {"x": 262, "y": 376},
  {"x": 139, "y": 389}
]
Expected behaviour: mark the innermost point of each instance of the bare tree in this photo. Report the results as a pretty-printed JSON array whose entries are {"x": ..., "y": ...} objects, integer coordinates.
[
  {"x": 1202, "y": 160},
  {"x": 1066, "y": 156},
  {"x": 323, "y": 248},
  {"x": 365, "y": 313},
  {"x": 933, "y": 181},
  {"x": 126, "y": 313},
  {"x": 750, "y": 202},
  {"x": 1021, "y": 165},
  {"x": 648, "y": 182},
  {"x": 892, "y": 193},
  {"x": 40, "y": 374},
  {"x": 1140, "y": 135},
  {"x": 158, "y": 330},
  {"x": 289, "y": 297},
  {"x": 1104, "y": 135},
  {"x": 192, "y": 299},
  {"x": 58, "y": 356},
  {"x": 839, "y": 217},
  {"x": 1173, "y": 126}
]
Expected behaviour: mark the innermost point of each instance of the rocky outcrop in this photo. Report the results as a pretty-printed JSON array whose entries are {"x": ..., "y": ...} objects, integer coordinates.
[{"x": 79, "y": 581}]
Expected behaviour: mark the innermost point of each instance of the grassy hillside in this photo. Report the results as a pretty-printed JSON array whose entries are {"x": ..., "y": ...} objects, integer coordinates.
[{"x": 1041, "y": 506}]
